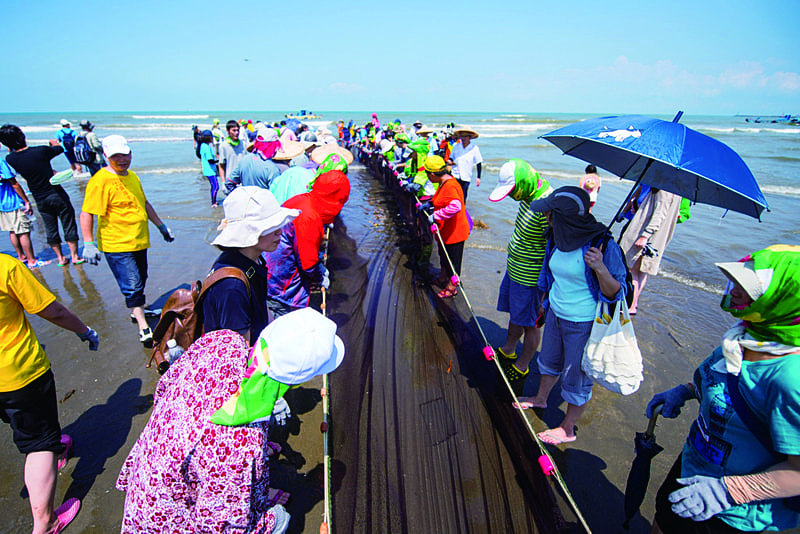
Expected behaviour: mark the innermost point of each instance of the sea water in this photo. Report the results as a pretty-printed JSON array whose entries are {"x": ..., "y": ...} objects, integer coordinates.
[{"x": 164, "y": 159}]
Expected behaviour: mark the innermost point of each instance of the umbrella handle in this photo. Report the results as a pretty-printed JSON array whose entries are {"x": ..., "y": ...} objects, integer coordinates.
[{"x": 652, "y": 426}]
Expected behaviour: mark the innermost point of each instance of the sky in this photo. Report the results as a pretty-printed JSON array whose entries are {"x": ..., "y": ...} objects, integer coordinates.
[{"x": 706, "y": 57}]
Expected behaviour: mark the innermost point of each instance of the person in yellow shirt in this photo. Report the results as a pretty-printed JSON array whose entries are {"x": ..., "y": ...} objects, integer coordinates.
[
  {"x": 114, "y": 194},
  {"x": 28, "y": 391}
]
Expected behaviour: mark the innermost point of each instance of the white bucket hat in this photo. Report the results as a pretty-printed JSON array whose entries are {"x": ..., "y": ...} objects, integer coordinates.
[
  {"x": 115, "y": 144},
  {"x": 250, "y": 212},
  {"x": 302, "y": 344}
]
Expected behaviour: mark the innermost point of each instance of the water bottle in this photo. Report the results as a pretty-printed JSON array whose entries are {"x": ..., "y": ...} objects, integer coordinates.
[{"x": 174, "y": 350}]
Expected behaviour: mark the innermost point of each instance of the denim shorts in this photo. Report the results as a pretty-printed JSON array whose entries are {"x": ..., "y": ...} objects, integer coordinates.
[
  {"x": 130, "y": 271},
  {"x": 522, "y": 302},
  {"x": 562, "y": 351},
  {"x": 32, "y": 412}
]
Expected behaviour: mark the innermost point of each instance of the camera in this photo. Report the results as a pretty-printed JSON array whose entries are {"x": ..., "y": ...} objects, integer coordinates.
[{"x": 650, "y": 251}]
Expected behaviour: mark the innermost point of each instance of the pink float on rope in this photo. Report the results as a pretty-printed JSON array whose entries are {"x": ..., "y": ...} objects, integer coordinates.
[
  {"x": 547, "y": 466},
  {"x": 454, "y": 280},
  {"x": 488, "y": 352}
]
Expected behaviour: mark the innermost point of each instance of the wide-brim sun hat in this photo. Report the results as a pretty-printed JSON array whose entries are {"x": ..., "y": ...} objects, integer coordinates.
[
  {"x": 745, "y": 275},
  {"x": 466, "y": 132},
  {"x": 386, "y": 145},
  {"x": 424, "y": 130},
  {"x": 320, "y": 153},
  {"x": 289, "y": 150},
  {"x": 506, "y": 183},
  {"x": 301, "y": 344},
  {"x": 250, "y": 212}
]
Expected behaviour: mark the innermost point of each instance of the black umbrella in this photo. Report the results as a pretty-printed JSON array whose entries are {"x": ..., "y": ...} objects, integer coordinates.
[{"x": 639, "y": 477}]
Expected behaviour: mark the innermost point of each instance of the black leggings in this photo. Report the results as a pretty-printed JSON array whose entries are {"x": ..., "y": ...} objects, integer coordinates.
[{"x": 455, "y": 251}]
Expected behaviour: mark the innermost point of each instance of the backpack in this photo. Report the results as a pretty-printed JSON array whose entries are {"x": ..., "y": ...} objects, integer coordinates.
[
  {"x": 83, "y": 152},
  {"x": 68, "y": 140},
  {"x": 601, "y": 242},
  {"x": 182, "y": 315}
]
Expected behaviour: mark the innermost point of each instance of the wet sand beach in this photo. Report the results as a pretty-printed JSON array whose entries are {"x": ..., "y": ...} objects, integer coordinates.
[{"x": 423, "y": 435}]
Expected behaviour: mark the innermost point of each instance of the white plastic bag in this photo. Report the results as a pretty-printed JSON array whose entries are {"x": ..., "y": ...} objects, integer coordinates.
[{"x": 612, "y": 357}]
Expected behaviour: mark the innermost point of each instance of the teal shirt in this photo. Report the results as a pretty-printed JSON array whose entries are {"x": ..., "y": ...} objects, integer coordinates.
[
  {"x": 720, "y": 444},
  {"x": 570, "y": 296},
  {"x": 207, "y": 153}
]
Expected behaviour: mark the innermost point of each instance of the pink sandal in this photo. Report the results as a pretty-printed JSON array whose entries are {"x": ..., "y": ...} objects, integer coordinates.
[
  {"x": 65, "y": 514},
  {"x": 62, "y": 459}
]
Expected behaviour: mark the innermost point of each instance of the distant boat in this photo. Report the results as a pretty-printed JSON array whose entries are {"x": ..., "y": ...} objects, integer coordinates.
[
  {"x": 775, "y": 119},
  {"x": 303, "y": 115}
]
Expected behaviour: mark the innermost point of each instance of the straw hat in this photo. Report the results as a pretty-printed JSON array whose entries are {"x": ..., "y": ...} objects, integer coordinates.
[
  {"x": 320, "y": 153},
  {"x": 462, "y": 132},
  {"x": 386, "y": 146},
  {"x": 289, "y": 150},
  {"x": 250, "y": 212},
  {"x": 426, "y": 130}
]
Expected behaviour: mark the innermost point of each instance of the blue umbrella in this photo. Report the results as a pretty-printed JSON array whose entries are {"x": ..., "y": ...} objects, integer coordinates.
[{"x": 666, "y": 155}]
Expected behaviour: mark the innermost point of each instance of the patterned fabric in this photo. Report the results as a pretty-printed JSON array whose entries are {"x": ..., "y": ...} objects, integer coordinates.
[
  {"x": 186, "y": 475},
  {"x": 775, "y": 316},
  {"x": 527, "y": 246}
]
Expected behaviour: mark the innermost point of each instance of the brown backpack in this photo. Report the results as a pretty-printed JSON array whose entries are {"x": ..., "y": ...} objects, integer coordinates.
[{"x": 182, "y": 315}]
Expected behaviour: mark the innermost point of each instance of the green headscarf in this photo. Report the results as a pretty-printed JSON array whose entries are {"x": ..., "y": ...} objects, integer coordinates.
[
  {"x": 420, "y": 146},
  {"x": 528, "y": 185},
  {"x": 332, "y": 162},
  {"x": 402, "y": 138},
  {"x": 775, "y": 315}
]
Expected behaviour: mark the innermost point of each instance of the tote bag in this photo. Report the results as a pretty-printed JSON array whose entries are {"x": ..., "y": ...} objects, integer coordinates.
[{"x": 612, "y": 356}]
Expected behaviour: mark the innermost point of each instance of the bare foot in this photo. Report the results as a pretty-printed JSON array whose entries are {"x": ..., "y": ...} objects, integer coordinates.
[
  {"x": 556, "y": 436},
  {"x": 530, "y": 402}
]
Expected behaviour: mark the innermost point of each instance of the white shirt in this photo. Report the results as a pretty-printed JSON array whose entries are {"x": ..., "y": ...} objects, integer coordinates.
[{"x": 465, "y": 160}]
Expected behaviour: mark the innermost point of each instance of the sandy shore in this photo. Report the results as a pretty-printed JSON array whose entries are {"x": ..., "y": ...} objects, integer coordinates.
[{"x": 113, "y": 389}]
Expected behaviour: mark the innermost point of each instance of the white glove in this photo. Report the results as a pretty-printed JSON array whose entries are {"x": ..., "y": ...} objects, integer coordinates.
[
  {"x": 280, "y": 412},
  {"x": 326, "y": 279}
]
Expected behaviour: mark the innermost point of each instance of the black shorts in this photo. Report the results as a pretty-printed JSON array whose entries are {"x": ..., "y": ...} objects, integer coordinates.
[
  {"x": 671, "y": 523},
  {"x": 32, "y": 413}
]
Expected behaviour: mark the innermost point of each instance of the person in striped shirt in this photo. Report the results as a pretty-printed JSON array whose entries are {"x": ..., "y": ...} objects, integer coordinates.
[{"x": 519, "y": 295}]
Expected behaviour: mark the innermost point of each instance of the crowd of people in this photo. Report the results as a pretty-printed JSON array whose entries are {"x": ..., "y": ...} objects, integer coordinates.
[
  {"x": 284, "y": 184},
  {"x": 740, "y": 468},
  {"x": 259, "y": 333}
]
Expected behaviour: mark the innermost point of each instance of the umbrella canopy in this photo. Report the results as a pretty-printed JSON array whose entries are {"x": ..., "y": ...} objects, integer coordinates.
[
  {"x": 666, "y": 155},
  {"x": 639, "y": 477}
]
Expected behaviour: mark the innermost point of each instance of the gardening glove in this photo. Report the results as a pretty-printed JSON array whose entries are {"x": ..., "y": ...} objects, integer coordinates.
[
  {"x": 672, "y": 399},
  {"x": 166, "y": 233},
  {"x": 414, "y": 188},
  {"x": 90, "y": 336},
  {"x": 280, "y": 412},
  {"x": 90, "y": 252},
  {"x": 701, "y": 498},
  {"x": 425, "y": 206}
]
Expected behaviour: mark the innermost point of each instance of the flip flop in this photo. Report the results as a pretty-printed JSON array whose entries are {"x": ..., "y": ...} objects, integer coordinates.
[
  {"x": 551, "y": 439},
  {"x": 447, "y": 293},
  {"x": 65, "y": 514},
  {"x": 62, "y": 460},
  {"x": 39, "y": 263},
  {"x": 525, "y": 405},
  {"x": 66, "y": 262},
  {"x": 78, "y": 262}
]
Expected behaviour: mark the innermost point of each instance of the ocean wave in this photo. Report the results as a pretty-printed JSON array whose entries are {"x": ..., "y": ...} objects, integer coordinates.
[
  {"x": 514, "y": 115},
  {"x": 751, "y": 129},
  {"x": 690, "y": 282},
  {"x": 531, "y": 127},
  {"x": 785, "y": 190},
  {"x": 169, "y": 170},
  {"x": 170, "y": 116},
  {"x": 496, "y": 135}
]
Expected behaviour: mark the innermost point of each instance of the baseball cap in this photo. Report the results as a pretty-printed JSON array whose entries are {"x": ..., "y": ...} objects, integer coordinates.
[
  {"x": 87, "y": 124},
  {"x": 506, "y": 182},
  {"x": 64, "y": 122},
  {"x": 115, "y": 144}
]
